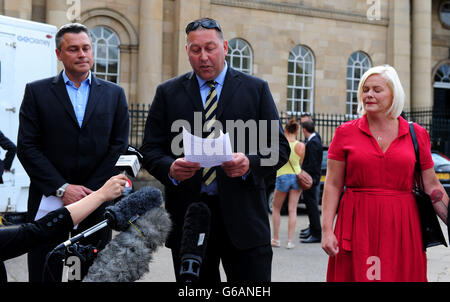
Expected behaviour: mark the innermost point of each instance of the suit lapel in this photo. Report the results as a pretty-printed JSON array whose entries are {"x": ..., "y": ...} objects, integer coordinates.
[
  {"x": 95, "y": 94},
  {"x": 230, "y": 86},
  {"x": 190, "y": 83},
  {"x": 59, "y": 88}
]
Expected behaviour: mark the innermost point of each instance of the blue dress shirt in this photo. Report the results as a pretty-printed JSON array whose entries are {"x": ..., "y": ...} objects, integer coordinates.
[{"x": 78, "y": 96}]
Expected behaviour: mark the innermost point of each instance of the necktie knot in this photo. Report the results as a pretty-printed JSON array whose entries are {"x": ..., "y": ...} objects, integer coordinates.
[{"x": 211, "y": 84}]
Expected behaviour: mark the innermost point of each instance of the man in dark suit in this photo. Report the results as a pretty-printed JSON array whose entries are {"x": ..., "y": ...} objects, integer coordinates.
[
  {"x": 72, "y": 130},
  {"x": 10, "y": 148},
  {"x": 234, "y": 191},
  {"x": 312, "y": 165}
]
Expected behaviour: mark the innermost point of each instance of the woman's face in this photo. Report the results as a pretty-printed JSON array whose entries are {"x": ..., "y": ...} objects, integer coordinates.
[{"x": 376, "y": 95}]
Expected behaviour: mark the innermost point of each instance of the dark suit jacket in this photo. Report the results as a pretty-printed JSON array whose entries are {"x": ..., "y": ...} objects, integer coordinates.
[
  {"x": 53, "y": 148},
  {"x": 19, "y": 239},
  {"x": 243, "y": 202},
  {"x": 313, "y": 158},
  {"x": 11, "y": 149}
]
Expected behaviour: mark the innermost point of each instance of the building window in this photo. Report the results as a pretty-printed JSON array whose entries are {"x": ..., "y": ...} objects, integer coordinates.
[
  {"x": 240, "y": 55},
  {"x": 357, "y": 65},
  {"x": 442, "y": 77},
  {"x": 444, "y": 14},
  {"x": 300, "y": 81},
  {"x": 105, "y": 44}
]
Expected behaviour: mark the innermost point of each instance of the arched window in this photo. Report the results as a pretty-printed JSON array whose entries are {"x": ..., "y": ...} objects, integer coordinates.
[
  {"x": 357, "y": 64},
  {"x": 300, "y": 81},
  {"x": 105, "y": 45},
  {"x": 442, "y": 77},
  {"x": 240, "y": 55}
]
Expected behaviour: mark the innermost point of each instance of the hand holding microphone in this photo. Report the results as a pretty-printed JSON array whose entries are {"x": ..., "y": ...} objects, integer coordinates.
[{"x": 119, "y": 215}]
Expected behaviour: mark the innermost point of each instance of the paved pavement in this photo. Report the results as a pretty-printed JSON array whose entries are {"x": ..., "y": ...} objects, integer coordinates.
[{"x": 304, "y": 263}]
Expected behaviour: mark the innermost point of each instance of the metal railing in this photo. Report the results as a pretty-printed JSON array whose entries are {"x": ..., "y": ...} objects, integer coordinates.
[{"x": 436, "y": 123}]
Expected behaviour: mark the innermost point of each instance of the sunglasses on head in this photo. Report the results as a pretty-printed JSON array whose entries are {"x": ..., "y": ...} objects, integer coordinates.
[{"x": 208, "y": 24}]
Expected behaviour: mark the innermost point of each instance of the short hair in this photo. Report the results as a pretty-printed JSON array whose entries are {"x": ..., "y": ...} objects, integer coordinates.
[
  {"x": 75, "y": 28},
  {"x": 393, "y": 81},
  {"x": 204, "y": 24},
  {"x": 308, "y": 125},
  {"x": 292, "y": 126}
]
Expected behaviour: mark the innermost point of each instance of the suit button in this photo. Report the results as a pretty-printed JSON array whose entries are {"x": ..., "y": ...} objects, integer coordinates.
[
  {"x": 49, "y": 224},
  {"x": 60, "y": 216},
  {"x": 55, "y": 220}
]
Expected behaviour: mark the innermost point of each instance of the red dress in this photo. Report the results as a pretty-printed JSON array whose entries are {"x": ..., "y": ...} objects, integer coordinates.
[{"x": 377, "y": 226}]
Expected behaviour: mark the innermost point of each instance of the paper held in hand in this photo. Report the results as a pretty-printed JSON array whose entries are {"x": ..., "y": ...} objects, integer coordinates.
[{"x": 209, "y": 152}]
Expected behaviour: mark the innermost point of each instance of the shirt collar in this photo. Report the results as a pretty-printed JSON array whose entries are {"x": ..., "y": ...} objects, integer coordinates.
[
  {"x": 220, "y": 78},
  {"x": 68, "y": 81},
  {"x": 310, "y": 137},
  {"x": 403, "y": 126}
]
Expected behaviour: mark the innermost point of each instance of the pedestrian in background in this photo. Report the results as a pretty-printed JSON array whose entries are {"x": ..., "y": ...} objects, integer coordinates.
[
  {"x": 286, "y": 185},
  {"x": 10, "y": 148},
  {"x": 312, "y": 164},
  {"x": 377, "y": 236}
]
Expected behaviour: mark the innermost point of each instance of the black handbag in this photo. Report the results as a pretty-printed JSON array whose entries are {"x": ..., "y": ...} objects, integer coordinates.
[{"x": 431, "y": 229}]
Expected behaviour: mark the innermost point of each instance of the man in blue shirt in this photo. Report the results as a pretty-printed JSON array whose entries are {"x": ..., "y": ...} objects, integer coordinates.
[
  {"x": 73, "y": 128},
  {"x": 214, "y": 93}
]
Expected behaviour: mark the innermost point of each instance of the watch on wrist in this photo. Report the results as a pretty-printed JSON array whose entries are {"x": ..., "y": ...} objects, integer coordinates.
[{"x": 60, "y": 192}]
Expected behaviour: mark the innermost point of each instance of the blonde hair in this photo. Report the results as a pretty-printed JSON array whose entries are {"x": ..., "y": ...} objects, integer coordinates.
[{"x": 390, "y": 75}]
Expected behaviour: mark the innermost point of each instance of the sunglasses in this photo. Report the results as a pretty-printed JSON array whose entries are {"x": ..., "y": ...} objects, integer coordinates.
[{"x": 208, "y": 24}]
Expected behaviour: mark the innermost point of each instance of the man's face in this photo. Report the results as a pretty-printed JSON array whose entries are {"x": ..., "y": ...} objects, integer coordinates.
[
  {"x": 206, "y": 52},
  {"x": 76, "y": 53}
]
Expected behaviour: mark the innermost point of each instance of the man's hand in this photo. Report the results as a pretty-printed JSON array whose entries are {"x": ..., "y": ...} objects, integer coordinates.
[
  {"x": 74, "y": 193},
  {"x": 236, "y": 167},
  {"x": 182, "y": 169}
]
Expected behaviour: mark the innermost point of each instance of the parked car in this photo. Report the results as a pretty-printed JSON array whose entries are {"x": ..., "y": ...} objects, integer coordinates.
[
  {"x": 442, "y": 169},
  {"x": 323, "y": 172}
]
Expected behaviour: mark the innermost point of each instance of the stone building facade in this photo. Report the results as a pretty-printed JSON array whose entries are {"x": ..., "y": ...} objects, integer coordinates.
[{"x": 311, "y": 52}]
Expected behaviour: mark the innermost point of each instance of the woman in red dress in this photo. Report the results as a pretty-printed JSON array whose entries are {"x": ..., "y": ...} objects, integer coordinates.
[{"x": 377, "y": 236}]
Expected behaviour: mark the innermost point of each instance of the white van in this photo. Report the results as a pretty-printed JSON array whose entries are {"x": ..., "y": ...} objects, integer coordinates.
[{"x": 27, "y": 53}]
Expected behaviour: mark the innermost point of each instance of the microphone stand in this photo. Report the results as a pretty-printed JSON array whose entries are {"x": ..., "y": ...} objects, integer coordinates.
[{"x": 82, "y": 235}]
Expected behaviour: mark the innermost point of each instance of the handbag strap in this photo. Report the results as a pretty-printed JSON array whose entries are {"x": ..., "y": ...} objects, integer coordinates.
[
  {"x": 290, "y": 160},
  {"x": 417, "y": 169},
  {"x": 292, "y": 166}
]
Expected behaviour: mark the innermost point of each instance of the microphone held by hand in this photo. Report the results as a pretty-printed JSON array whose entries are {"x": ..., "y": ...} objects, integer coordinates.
[{"x": 132, "y": 206}]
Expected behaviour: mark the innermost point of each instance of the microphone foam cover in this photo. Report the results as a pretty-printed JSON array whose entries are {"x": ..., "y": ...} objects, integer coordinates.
[
  {"x": 196, "y": 229},
  {"x": 137, "y": 203}
]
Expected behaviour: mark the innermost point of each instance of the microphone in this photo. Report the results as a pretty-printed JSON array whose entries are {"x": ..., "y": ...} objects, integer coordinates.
[
  {"x": 194, "y": 241},
  {"x": 132, "y": 206},
  {"x": 130, "y": 162},
  {"x": 119, "y": 216},
  {"x": 126, "y": 257}
]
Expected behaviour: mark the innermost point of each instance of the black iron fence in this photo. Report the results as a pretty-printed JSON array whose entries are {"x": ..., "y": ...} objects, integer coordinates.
[
  {"x": 436, "y": 123},
  {"x": 138, "y": 117}
]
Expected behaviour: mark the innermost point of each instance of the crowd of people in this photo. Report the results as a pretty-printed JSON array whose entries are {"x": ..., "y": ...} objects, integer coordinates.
[{"x": 73, "y": 128}]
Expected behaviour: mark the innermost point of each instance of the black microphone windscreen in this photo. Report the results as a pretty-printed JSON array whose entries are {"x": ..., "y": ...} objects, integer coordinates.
[
  {"x": 137, "y": 203},
  {"x": 196, "y": 230}
]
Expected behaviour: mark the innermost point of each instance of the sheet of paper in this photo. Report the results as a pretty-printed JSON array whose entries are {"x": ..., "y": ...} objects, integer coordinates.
[
  {"x": 47, "y": 205},
  {"x": 209, "y": 152}
]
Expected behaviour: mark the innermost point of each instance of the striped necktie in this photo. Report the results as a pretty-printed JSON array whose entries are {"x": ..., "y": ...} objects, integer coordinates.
[{"x": 209, "y": 174}]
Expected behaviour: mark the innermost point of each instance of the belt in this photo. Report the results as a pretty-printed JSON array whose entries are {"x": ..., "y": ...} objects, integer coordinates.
[{"x": 348, "y": 209}]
